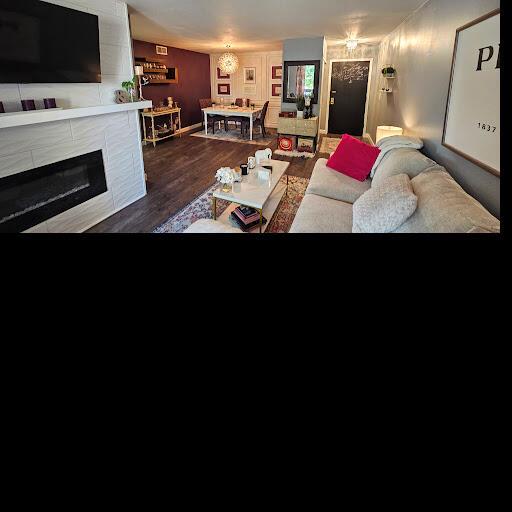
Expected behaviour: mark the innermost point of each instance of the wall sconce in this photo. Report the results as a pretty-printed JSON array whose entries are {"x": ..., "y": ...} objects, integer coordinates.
[{"x": 388, "y": 131}]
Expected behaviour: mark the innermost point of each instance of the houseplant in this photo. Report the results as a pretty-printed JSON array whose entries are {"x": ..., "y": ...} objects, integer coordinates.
[
  {"x": 129, "y": 87},
  {"x": 301, "y": 103},
  {"x": 389, "y": 72}
]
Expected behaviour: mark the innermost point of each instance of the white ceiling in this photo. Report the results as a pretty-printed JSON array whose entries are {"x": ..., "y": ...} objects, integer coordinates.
[{"x": 261, "y": 25}]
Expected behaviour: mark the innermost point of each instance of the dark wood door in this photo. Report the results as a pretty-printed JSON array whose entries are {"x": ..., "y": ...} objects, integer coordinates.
[{"x": 349, "y": 90}]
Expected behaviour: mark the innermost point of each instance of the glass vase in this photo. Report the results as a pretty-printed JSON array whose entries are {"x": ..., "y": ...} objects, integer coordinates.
[{"x": 227, "y": 188}]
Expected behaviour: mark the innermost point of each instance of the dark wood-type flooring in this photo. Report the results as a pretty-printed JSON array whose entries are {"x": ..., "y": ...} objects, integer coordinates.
[{"x": 178, "y": 171}]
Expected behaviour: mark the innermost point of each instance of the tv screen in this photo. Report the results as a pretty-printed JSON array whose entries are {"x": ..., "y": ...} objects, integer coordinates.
[{"x": 45, "y": 43}]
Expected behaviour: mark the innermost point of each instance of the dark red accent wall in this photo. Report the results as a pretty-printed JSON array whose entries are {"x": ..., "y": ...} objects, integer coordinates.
[{"x": 193, "y": 74}]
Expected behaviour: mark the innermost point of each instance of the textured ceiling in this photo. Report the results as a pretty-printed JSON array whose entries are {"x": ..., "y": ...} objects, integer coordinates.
[{"x": 260, "y": 25}]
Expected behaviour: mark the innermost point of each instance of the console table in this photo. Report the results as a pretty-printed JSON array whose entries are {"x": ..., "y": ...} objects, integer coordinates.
[
  {"x": 307, "y": 128},
  {"x": 152, "y": 115}
]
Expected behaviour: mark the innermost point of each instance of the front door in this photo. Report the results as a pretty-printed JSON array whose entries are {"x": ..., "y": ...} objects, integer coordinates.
[{"x": 348, "y": 99}]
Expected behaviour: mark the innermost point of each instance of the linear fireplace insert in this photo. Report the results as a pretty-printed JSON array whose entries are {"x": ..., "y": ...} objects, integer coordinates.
[{"x": 31, "y": 197}]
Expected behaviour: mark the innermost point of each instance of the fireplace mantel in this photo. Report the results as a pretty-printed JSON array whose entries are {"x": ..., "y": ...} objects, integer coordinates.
[{"x": 48, "y": 116}]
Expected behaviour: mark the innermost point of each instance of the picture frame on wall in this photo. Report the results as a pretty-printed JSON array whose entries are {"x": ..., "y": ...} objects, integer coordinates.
[
  {"x": 249, "y": 75},
  {"x": 472, "y": 121},
  {"x": 277, "y": 72},
  {"x": 224, "y": 89},
  {"x": 222, "y": 76},
  {"x": 161, "y": 50},
  {"x": 277, "y": 90}
]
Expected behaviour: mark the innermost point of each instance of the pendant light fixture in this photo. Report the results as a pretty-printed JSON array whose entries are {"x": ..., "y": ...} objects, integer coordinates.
[
  {"x": 352, "y": 44},
  {"x": 228, "y": 62}
]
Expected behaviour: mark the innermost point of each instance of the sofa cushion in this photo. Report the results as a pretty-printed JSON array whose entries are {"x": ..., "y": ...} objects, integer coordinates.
[
  {"x": 402, "y": 161},
  {"x": 319, "y": 214},
  {"x": 353, "y": 158},
  {"x": 444, "y": 207},
  {"x": 209, "y": 226},
  {"x": 385, "y": 208},
  {"x": 334, "y": 185}
]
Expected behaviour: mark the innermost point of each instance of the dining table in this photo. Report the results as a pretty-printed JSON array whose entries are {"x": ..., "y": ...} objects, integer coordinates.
[{"x": 226, "y": 111}]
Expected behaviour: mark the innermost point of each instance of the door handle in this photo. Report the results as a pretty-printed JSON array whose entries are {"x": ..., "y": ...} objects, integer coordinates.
[{"x": 332, "y": 101}]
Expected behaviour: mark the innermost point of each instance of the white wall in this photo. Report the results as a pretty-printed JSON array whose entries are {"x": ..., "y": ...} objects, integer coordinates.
[
  {"x": 116, "y": 62},
  {"x": 421, "y": 50},
  {"x": 263, "y": 63},
  {"x": 117, "y": 135}
]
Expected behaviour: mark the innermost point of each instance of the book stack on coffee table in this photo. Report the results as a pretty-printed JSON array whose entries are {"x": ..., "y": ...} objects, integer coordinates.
[{"x": 246, "y": 218}]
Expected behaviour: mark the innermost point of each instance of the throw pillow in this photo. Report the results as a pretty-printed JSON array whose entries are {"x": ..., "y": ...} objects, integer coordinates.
[
  {"x": 384, "y": 208},
  {"x": 353, "y": 158}
]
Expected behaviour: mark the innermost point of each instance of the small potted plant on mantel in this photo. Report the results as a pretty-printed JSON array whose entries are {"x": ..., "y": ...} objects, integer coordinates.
[
  {"x": 389, "y": 72},
  {"x": 301, "y": 103},
  {"x": 129, "y": 87}
]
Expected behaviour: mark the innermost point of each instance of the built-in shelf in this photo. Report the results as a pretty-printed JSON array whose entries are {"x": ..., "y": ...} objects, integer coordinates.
[{"x": 47, "y": 116}]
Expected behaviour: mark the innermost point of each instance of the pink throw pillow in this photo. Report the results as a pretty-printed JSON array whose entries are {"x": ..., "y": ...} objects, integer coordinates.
[{"x": 353, "y": 158}]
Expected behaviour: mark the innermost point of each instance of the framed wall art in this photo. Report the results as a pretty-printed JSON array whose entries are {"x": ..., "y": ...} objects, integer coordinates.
[
  {"x": 277, "y": 72},
  {"x": 224, "y": 89},
  {"x": 276, "y": 89},
  {"x": 161, "y": 50},
  {"x": 472, "y": 122},
  {"x": 222, "y": 76},
  {"x": 249, "y": 75}
]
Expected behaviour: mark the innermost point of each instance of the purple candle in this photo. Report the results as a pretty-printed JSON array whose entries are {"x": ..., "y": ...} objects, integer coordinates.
[
  {"x": 28, "y": 105},
  {"x": 50, "y": 103},
  {"x": 2, "y": 111}
]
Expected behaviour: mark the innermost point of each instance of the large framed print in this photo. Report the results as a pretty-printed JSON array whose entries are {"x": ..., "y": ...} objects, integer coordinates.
[{"x": 472, "y": 124}]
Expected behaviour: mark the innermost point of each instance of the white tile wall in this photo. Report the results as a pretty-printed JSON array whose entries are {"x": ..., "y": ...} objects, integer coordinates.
[
  {"x": 117, "y": 135},
  {"x": 116, "y": 62}
]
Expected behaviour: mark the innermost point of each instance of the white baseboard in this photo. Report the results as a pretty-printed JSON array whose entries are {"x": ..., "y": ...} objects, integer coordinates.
[
  {"x": 192, "y": 127},
  {"x": 369, "y": 137}
]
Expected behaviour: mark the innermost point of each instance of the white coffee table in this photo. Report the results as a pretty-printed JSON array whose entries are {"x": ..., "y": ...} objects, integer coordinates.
[{"x": 262, "y": 195}]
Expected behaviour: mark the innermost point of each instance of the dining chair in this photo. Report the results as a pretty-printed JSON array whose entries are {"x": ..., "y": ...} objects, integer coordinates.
[
  {"x": 212, "y": 119},
  {"x": 259, "y": 121},
  {"x": 239, "y": 102}
]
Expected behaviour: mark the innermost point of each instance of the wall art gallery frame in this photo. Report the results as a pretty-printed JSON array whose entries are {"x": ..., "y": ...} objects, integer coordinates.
[
  {"x": 249, "y": 75},
  {"x": 222, "y": 76},
  {"x": 224, "y": 89},
  {"x": 472, "y": 118}
]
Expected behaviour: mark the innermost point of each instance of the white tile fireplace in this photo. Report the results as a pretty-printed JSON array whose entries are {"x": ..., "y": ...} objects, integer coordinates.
[{"x": 89, "y": 122}]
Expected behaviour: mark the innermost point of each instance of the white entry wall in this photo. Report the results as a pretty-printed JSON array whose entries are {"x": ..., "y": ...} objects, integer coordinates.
[{"x": 260, "y": 92}]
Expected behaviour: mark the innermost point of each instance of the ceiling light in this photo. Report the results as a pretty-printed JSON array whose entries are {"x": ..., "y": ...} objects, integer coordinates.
[
  {"x": 228, "y": 62},
  {"x": 352, "y": 44}
]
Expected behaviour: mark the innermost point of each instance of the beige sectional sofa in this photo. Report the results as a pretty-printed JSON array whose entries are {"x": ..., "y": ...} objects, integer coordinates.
[{"x": 443, "y": 206}]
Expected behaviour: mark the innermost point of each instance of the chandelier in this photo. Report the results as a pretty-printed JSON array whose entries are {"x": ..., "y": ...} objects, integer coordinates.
[
  {"x": 352, "y": 44},
  {"x": 228, "y": 62}
]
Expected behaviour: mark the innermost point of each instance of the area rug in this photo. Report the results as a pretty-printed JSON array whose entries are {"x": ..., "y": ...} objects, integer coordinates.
[
  {"x": 236, "y": 136},
  {"x": 294, "y": 154},
  {"x": 201, "y": 208},
  {"x": 329, "y": 145}
]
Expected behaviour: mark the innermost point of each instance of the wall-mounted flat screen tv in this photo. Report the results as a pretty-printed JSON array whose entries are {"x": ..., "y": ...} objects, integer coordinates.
[{"x": 45, "y": 43}]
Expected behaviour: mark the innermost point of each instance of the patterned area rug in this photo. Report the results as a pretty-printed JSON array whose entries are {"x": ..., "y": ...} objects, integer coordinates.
[
  {"x": 329, "y": 145},
  {"x": 236, "y": 136},
  {"x": 201, "y": 208},
  {"x": 294, "y": 154}
]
